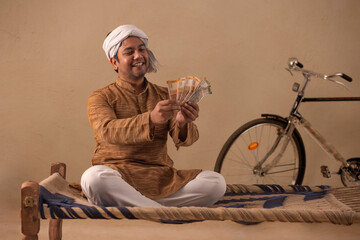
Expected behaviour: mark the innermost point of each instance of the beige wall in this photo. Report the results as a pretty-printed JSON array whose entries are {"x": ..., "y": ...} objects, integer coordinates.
[{"x": 51, "y": 60}]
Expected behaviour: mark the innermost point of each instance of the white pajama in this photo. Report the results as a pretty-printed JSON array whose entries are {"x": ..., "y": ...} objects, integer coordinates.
[{"x": 104, "y": 186}]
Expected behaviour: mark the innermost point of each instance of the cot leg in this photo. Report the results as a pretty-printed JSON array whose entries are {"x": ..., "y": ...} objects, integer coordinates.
[
  {"x": 30, "y": 221},
  {"x": 55, "y": 229},
  {"x": 55, "y": 225}
]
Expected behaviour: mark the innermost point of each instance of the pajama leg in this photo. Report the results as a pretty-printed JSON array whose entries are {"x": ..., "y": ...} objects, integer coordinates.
[
  {"x": 206, "y": 189},
  {"x": 104, "y": 186}
]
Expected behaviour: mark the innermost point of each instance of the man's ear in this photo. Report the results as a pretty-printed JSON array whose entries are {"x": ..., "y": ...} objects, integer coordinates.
[{"x": 115, "y": 63}]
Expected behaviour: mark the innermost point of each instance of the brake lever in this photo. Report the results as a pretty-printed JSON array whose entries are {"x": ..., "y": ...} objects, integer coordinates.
[
  {"x": 338, "y": 82},
  {"x": 289, "y": 70}
]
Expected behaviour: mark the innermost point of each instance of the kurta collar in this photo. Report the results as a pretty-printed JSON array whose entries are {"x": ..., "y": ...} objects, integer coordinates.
[{"x": 128, "y": 86}]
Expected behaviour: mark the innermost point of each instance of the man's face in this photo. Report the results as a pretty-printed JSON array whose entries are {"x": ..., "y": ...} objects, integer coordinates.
[{"x": 133, "y": 59}]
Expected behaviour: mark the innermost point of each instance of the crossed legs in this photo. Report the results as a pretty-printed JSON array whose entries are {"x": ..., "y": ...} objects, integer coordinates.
[{"x": 103, "y": 185}]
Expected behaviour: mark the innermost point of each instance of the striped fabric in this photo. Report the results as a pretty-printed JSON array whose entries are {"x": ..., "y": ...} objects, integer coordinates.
[
  {"x": 124, "y": 141},
  {"x": 241, "y": 203}
]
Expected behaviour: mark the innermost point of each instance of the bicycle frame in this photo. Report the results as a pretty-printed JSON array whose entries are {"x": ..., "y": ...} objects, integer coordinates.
[
  {"x": 296, "y": 118},
  {"x": 321, "y": 141}
]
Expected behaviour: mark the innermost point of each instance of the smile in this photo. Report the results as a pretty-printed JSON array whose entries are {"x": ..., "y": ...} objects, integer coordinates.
[{"x": 138, "y": 64}]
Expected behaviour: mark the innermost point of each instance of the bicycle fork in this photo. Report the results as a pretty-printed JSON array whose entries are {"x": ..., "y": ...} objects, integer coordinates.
[{"x": 283, "y": 137}]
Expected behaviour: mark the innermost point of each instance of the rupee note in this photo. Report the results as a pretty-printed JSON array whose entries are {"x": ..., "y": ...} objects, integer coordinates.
[{"x": 202, "y": 89}]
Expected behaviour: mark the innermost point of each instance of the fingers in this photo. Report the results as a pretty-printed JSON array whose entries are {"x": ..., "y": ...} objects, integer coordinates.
[
  {"x": 190, "y": 111},
  {"x": 168, "y": 105},
  {"x": 163, "y": 111},
  {"x": 193, "y": 105},
  {"x": 167, "y": 109}
]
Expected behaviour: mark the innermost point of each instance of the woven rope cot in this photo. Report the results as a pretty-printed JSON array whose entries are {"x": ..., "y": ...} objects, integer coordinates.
[{"x": 55, "y": 199}]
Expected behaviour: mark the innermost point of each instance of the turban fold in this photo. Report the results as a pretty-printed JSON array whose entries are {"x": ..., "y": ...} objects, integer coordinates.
[{"x": 113, "y": 41}]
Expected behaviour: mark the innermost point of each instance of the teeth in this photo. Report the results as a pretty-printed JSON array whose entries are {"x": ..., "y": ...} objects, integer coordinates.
[{"x": 138, "y": 64}]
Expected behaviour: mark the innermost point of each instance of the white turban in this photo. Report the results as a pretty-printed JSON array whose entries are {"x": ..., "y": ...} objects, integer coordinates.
[{"x": 118, "y": 35}]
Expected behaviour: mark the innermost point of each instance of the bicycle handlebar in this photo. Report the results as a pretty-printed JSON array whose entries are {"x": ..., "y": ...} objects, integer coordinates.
[
  {"x": 294, "y": 64},
  {"x": 346, "y": 77}
]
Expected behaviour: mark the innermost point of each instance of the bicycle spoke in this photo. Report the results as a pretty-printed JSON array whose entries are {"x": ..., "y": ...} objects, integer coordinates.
[
  {"x": 288, "y": 170},
  {"x": 247, "y": 144},
  {"x": 247, "y": 174},
  {"x": 239, "y": 160},
  {"x": 282, "y": 165},
  {"x": 242, "y": 154},
  {"x": 272, "y": 180}
]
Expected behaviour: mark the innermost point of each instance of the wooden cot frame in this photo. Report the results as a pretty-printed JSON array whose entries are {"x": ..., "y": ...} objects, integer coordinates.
[{"x": 30, "y": 215}]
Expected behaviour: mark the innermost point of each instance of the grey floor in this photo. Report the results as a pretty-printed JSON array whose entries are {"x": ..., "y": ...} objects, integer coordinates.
[{"x": 141, "y": 229}]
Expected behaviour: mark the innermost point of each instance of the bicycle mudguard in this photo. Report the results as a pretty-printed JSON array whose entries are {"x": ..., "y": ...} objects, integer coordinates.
[{"x": 274, "y": 116}]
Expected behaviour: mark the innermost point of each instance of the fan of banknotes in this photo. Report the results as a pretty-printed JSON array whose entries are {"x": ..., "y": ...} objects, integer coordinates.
[{"x": 188, "y": 89}]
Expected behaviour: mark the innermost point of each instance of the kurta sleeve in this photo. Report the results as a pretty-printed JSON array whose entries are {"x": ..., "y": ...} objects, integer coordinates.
[
  {"x": 110, "y": 129},
  {"x": 192, "y": 134}
]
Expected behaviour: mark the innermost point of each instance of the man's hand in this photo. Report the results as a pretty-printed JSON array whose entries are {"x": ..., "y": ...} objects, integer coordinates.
[
  {"x": 164, "y": 111},
  {"x": 189, "y": 112}
]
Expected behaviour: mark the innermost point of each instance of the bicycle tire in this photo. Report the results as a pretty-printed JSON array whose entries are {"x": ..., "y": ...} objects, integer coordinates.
[{"x": 236, "y": 161}]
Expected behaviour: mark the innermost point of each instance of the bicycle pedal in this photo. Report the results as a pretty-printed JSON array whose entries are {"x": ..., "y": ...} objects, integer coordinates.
[{"x": 325, "y": 171}]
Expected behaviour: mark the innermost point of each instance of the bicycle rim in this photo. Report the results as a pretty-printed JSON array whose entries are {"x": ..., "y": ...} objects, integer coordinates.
[{"x": 250, "y": 143}]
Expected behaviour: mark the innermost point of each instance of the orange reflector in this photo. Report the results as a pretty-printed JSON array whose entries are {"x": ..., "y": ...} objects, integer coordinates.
[{"x": 253, "y": 145}]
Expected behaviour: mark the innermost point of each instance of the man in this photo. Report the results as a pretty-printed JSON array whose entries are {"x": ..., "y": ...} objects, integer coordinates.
[{"x": 131, "y": 119}]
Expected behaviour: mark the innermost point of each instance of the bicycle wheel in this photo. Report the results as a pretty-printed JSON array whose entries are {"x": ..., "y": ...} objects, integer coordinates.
[{"x": 250, "y": 143}]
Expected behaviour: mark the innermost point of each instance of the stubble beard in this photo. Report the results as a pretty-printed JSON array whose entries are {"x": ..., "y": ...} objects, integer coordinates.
[{"x": 140, "y": 74}]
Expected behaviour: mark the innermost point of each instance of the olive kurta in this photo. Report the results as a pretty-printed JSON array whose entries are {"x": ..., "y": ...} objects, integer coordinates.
[{"x": 120, "y": 119}]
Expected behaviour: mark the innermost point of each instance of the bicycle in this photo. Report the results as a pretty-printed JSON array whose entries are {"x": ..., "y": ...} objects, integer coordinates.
[{"x": 270, "y": 149}]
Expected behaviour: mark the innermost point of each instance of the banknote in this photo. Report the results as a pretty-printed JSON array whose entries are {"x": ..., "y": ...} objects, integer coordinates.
[
  {"x": 200, "y": 92},
  {"x": 189, "y": 89}
]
